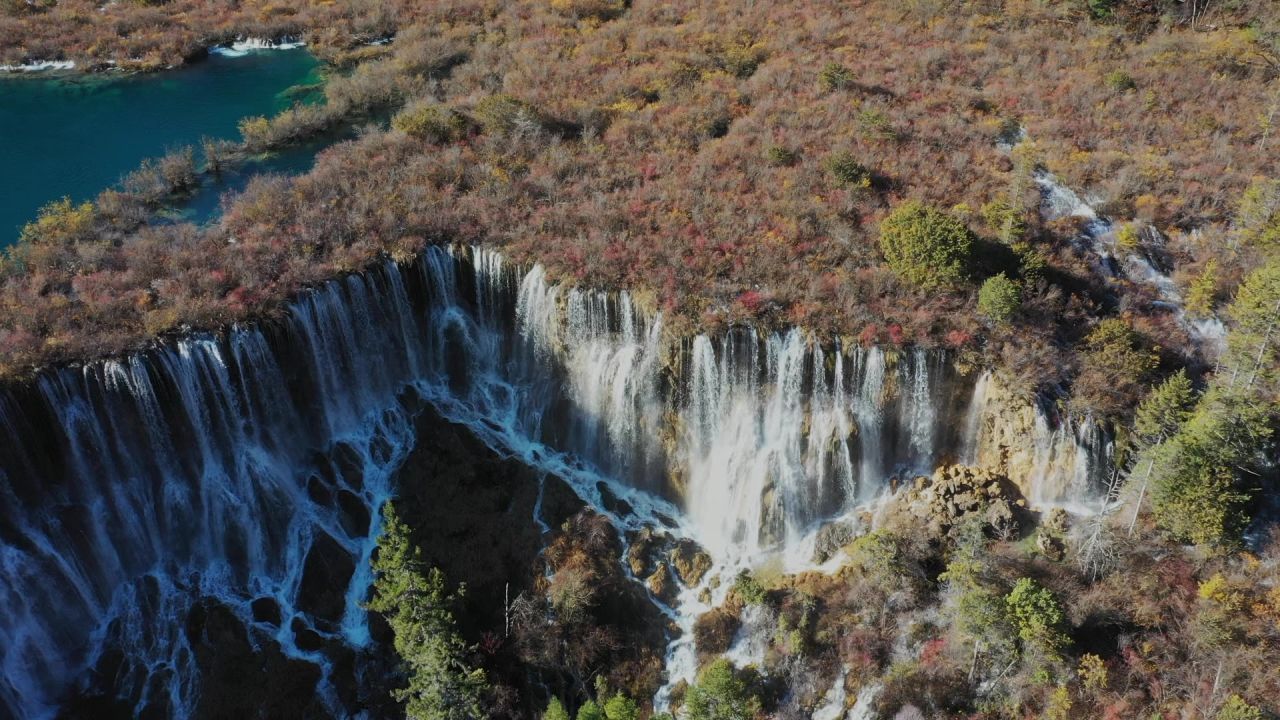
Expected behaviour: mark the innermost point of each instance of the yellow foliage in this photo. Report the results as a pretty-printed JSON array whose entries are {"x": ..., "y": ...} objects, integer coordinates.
[{"x": 1218, "y": 591}]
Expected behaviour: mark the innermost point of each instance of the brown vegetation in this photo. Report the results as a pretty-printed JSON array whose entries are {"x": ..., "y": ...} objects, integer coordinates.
[{"x": 733, "y": 159}]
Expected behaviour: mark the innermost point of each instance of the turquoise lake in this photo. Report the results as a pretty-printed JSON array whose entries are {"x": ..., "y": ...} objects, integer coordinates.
[{"x": 76, "y": 136}]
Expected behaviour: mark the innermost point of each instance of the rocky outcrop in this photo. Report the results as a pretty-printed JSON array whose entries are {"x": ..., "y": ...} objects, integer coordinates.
[
  {"x": 690, "y": 562},
  {"x": 954, "y": 494}
]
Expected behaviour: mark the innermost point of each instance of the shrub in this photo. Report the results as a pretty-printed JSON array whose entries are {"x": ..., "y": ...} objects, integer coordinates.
[
  {"x": 834, "y": 76},
  {"x": 1120, "y": 81},
  {"x": 599, "y": 10},
  {"x": 749, "y": 589},
  {"x": 779, "y": 155},
  {"x": 742, "y": 56},
  {"x": 1101, "y": 9},
  {"x": 924, "y": 246},
  {"x": 722, "y": 693},
  {"x": 1127, "y": 238},
  {"x": 500, "y": 114},
  {"x": 1235, "y": 708},
  {"x": 429, "y": 121},
  {"x": 999, "y": 299},
  {"x": 61, "y": 221},
  {"x": 847, "y": 171},
  {"x": 874, "y": 124}
]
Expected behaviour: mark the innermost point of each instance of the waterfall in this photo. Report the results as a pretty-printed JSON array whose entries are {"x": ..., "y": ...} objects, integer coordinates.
[
  {"x": 973, "y": 418},
  {"x": 230, "y": 465}
]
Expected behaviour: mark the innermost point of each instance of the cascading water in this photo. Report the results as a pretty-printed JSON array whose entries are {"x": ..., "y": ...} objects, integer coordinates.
[{"x": 223, "y": 466}]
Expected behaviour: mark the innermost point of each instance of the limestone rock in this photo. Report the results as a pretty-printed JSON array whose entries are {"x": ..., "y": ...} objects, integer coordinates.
[
  {"x": 954, "y": 493},
  {"x": 662, "y": 585},
  {"x": 690, "y": 562},
  {"x": 831, "y": 538}
]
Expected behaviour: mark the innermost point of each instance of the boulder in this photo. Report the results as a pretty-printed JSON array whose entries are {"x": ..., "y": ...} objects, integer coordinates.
[
  {"x": 325, "y": 575},
  {"x": 831, "y": 538},
  {"x": 690, "y": 562},
  {"x": 662, "y": 584}
]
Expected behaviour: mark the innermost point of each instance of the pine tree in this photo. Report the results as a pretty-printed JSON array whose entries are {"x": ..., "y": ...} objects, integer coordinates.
[
  {"x": 442, "y": 686},
  {"x": 555, "y": 710}
]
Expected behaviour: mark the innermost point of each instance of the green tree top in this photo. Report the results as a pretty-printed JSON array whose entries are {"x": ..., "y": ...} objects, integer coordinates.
[
  {"x": 621, "y": 707},
  {"x": 555, "y": 710},
  {"x": 442, "y": 686},
  {"x": 925, "y": 246},
  {"x": 1162, "y": 412},
  {"x": 999, "y": 299},
  {"x": 1038, "y": 616},
  {"x": 721, "y": 694}
]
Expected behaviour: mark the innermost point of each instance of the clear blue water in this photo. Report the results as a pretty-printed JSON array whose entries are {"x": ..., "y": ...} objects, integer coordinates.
[{"x": 75, "y": 136}]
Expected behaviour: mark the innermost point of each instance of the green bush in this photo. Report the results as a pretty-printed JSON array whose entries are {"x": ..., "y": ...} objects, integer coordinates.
[
  {"x": 722, "y": 693},
  {"x": 504, "y": 113},
  {"x": 834, "y": 76},
  {"x": 590, "y": 711},
  {"x": 621, "y": 707},
  {"x": 847, "y": 170},
  {"x": 1235, "y": 708},
  {"x": 429, "y": 121},
  {"x": 1120, "y": 81},
  {"x": 999, "y": 299},
  {"x": 1101, "y": 9},
  {"x": 1038, "y": 617},
  {"x": 924, "y": 246},
  {"x": 749, "y": 589},
  {"x": 780, "y": 156}
]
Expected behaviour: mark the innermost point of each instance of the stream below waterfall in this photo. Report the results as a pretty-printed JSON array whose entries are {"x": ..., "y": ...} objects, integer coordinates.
[{"x": 226, "y": 467}]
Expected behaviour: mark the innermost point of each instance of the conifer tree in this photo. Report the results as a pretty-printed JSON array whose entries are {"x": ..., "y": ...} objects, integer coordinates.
[{"x": 442, "y": 686}]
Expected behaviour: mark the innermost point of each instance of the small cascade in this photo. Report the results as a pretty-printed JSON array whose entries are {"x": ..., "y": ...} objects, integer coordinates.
[{"x": 979, "y": 407}]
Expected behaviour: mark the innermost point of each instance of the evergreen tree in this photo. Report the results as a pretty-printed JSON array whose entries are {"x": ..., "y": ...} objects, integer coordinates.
[
  {"x": 924, "y": 246},
  {"x": 555, "y": 710},
  {"x": 621, "y": 707},
  {"x": 1165, "y": 409},
  {"x": 999, "y": 299},
  {"x": 1038, "y": 617},
  {"x": 590, "y": 711},
  {"x": 442, "y": 686}
]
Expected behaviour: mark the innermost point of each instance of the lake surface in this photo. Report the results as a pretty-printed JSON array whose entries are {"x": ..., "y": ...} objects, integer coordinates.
[{"x": 76, "y": 136}]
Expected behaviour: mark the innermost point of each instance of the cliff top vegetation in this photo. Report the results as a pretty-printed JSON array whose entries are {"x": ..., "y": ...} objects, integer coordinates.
[{"x": 737, "y": 162}]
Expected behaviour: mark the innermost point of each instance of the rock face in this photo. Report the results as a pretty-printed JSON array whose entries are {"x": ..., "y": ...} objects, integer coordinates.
[
  {"x": 954, "y": 494},
  {"x": 1011, "y": 437},
  {"x": 831, "y": 538}
]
